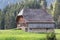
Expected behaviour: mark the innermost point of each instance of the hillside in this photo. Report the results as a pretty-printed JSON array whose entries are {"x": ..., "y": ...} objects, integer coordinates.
[{"x": 21, "y": 35}]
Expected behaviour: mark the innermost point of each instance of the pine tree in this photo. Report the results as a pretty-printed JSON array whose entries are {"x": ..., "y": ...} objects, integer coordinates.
[
  {"x": 57, "y": 12},
  {"x": 1, "y": 19},
  {"x": 44, "y": 4},
  {"x": 51, "y": 7}
]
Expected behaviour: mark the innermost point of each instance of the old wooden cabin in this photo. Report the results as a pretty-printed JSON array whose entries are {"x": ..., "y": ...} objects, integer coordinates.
[{"x": 35, "y": 20}]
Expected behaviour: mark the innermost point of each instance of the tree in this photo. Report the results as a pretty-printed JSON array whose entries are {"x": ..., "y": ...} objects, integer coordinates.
[
  {"x": 51, "y": 7},
  {"x": 1, "y": 19},
  {"x": 44, "y": 4},
  {"x": 10, "y": 15},
  {"x": 57, "y": 12},
  {"x": 32, "y": 4}
]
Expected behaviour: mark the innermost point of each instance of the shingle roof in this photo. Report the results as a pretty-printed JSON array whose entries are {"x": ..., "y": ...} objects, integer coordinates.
[{"x": 36, "y": 15}]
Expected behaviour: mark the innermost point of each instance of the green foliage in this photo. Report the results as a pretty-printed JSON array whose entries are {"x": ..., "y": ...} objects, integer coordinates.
[
  {"x": 1, "y": 19},
  {"x": 51, "y": 7},
  {"x": 32, "y": 4},
  {"x": 57, "y": 12},
  {"x": 10, "y": 15},
  {"x": 51, "y": 36}
]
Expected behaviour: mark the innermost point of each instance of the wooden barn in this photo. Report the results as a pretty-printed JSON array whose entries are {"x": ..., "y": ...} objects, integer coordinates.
[{"x": 35, "y": 20}]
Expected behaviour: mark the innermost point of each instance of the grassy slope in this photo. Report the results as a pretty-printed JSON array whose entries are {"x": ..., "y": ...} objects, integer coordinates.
[
  {"x": 57, "y": 31},
  {"x": 20, "y": 35}
]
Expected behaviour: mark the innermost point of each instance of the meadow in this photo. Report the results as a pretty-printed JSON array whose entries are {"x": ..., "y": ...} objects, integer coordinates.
[
  {"x": 57, "y": 31},
  {"x": 21, "y": 35}
]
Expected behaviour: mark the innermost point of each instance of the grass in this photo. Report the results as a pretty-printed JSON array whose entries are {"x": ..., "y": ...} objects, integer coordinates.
[
  {"x": 58, "y": 36},
  {"x": 57, "y": 31},
  {"x": 21, "y": 35}
]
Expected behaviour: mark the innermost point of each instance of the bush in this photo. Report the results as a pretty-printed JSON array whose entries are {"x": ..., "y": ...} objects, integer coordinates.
[{"x": 51, "y": 36}]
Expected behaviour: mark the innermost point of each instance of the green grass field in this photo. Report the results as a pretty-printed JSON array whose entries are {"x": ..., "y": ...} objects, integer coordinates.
[
  {"x": 57, "y": 31},
  {"x": 21, "y": 35}
]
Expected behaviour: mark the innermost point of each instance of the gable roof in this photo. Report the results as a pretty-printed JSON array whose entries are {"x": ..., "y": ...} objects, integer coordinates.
[
  {"x": 21, "y": 12},
  {"x": 36, "y": 15}
]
